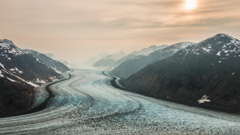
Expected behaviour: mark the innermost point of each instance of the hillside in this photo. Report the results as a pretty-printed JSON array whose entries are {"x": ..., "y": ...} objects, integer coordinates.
[
  {"x": 20, "y": 72},
  {"x": 206, "y": 73},
  {"x": 56, "y": 65}
]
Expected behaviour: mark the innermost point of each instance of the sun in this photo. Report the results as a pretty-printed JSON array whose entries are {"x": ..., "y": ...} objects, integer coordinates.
[{"x": 190, "y": 4}]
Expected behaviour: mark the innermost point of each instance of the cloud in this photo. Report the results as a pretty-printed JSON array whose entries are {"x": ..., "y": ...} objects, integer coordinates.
[{"x": 105, "y": 23}]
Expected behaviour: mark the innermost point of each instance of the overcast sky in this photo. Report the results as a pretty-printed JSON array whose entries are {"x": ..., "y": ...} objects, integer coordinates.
[{"x": 77, "y": 29}]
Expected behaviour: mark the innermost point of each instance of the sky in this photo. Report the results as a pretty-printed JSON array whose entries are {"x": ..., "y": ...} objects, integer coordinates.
[{"x": 78, "y": 29}]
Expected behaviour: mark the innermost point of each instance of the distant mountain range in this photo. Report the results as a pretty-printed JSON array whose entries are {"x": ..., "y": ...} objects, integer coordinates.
[
  {"x": 137, "y": 60},
  {"x": 203, "y": 74},
  {"x": 109, "y": 60},
  {"x": 20, "y": 71},
  {"x": 55, "y": 58}
]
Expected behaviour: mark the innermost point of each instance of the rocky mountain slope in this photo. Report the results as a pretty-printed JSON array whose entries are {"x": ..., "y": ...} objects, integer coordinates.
[
  {"x": 22, "y": 64},
  {"x": 57, "y": 66},
  {"x": 20, "y": 72},
  {"x": 203, "y": 74},
  {"x": 137, "y": 61}
]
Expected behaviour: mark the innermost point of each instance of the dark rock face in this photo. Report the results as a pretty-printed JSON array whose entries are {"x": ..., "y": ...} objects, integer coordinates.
[
  {"x": 14, "y": 97},
  {"x": 55, "y": 65},
  {"x": 30, "y": 67},
  {"x": 209, "y": 68}
]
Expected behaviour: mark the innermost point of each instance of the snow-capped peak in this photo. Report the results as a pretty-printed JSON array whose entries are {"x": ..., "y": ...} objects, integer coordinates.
[
  {"x": 220, "y": 45},
  {"x": 219, "y": 37},
  {"x": 8, "y": 47},
  {"x": 222, "y": 35},
  {"x": 9, "y": 42}
]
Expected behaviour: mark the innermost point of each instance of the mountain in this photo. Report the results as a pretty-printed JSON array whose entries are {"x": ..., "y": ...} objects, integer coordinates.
[
  {"x": 138, "y": 60},
  {"x": 22, "y": 64},
  {"x": 147, "y": 51},
  {"x": 109, "y": 60},
  {"x": 56, "y": 65},
  {"x": 203, "y": 74},
  {"x": 20, "y": 72},
  {"x": 136, "y": 54},
  {"x": 92, "y": 60}
]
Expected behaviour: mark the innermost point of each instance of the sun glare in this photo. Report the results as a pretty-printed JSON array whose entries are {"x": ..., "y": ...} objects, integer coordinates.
[{"x": 190, "y": 4}]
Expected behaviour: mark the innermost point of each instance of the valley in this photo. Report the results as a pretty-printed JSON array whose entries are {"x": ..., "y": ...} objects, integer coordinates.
[{"x": 88, "y": 104}]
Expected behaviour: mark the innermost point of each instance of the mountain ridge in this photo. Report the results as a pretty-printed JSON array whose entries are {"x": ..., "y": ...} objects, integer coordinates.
[
  {"x": 135, "y": 63},
  {"x": 57, "y": 66},
  {"x": 205, "y": 71},
  {"x": 109, "y": 60}
]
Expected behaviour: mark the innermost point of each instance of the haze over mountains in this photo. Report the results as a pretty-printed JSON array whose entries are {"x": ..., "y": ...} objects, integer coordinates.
[
  {"x": 20, "y": 71},
  {"x": 109, "y": 60},
  {"x": 137, "y": 60},
  {"x": 119, "y": 67},
  {"x": 190, "y": 73}
]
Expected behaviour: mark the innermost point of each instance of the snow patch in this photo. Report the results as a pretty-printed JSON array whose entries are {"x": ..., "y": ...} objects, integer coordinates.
[
  {"x": 1, "y": 75},
  {"x": 55, "y": 69},
  {"x": 206, "y": 49},
  {"x": 16, "y": 70},
  {"x": 53, "y": 78},
  {"x": 204, "y": 99},
  {"x": 2, "y": 65},
  {"x": 32, "y": 84},
  {"x": 40, "y": 81},
  {"x": 11, "y": 79},
  {"x": 222, "y": 35}
]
